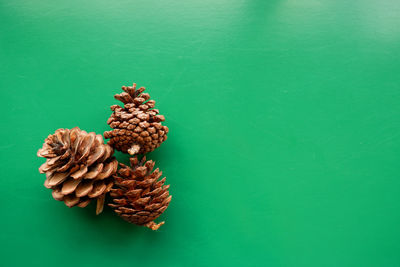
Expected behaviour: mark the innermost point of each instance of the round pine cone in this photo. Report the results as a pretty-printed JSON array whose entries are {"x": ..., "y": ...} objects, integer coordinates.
[
  {"x": 137, "y": 126},
  {"x": 79, "y": 167},
  {"x": 137, "y": 195}
]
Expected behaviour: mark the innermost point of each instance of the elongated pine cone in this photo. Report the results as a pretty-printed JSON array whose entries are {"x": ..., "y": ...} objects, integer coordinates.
[
  {"x": 79, "y": 167},
  {"x": 137, "y": 194},
  {"x": 137, "y": 126}
]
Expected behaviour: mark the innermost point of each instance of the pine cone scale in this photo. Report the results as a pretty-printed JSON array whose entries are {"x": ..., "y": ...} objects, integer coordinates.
[
  {"x": 79, "y": 173},
  {"x": 57, "y": 195},
  {"x": 84, "y": 203},
  {"x": 57, "y": 178},
  {"x": 67, "y": 165},
  {"x": 71, "y": 200},
  {"x": 84, "y": 188},
  {"x": 99, "y": 152},
  {"x": 98, "y": 189},
  {"x": 69, "y": 186},
  {"x": 94, "y": 171}
]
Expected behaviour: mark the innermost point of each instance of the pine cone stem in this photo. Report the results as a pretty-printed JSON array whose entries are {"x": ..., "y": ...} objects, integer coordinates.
[
  {"x": 100, "y": 204},
  {"x": 154, "y": 226},
  {"x": 134, "y": 149}
]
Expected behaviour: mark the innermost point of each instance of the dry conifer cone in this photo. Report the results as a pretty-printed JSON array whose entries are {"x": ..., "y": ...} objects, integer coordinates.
[
  {"x": 137, "y": 194},
  {"x": 137, "y": 125},
  {"x": 79, "y": 167}
]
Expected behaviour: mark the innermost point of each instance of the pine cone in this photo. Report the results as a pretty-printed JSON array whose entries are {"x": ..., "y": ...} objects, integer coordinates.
[
  {"x": 79, "y": 167},
  {"x": 137, "y": 126},
  {"x": 137, "y": 195}
]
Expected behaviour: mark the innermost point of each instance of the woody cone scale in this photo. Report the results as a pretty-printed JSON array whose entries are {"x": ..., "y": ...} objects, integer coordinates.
[
  {"x": 137, "y": 126},
  {"x": 79, "y": 167}
]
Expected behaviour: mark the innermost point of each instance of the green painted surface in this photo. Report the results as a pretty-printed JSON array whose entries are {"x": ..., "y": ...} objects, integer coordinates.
[{"x": 284, "y": 141}]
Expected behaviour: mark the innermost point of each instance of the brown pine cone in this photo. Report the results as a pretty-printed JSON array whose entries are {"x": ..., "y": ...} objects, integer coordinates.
[
  {"x": 137, "y": 195},
  {"x": 137, "y": 126},
  {"x": 79, "y": 167}
]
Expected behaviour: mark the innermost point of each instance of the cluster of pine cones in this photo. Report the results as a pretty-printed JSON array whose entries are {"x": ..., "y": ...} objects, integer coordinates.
[{"x": 79, "y": 167}]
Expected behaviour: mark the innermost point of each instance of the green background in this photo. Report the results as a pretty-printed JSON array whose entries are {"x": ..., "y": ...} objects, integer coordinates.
[{"x": 284, "y": 140}]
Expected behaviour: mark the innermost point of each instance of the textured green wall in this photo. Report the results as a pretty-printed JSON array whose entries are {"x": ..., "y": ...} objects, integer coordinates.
[{"x": 284, "y": 141}]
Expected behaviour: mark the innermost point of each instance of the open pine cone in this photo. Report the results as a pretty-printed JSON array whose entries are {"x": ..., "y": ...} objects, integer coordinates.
[
  {"x": 79, "y": 167},
  {"x": 137, "y": 195},
  {"x": 137, "y": 126}
]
